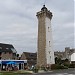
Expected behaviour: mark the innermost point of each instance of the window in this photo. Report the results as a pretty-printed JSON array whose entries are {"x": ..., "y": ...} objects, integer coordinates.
[
  {"x": 49, "y": 52},
  {"x": 49, "y": 43},
  {"x": 50, "y": 58},
  {"x": 48, "y": 29}
]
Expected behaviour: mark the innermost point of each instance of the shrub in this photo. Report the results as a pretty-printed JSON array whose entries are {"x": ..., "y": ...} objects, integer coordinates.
[
  {"x": 54, "y": 66},
  {"x": 43, "y": 68},
  {"x": 72, "y": 66},
  {"x": 67, "y": 65},
  {"x": 57, "y": 66},
  {"x": 35, "y": 70}
]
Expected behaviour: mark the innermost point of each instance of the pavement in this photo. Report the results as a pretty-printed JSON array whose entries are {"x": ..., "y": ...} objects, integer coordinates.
[
  {"x": 57, "y": 72},
  {"x": 52, "y": 72}
]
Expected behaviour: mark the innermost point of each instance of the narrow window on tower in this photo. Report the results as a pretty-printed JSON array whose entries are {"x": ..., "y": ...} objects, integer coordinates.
[
  {"x": 49, "y": 43},
  {"x": 50, "y": 58},
  {"x": 48, "y": 29},
  {"x": 49, "y": 52}
]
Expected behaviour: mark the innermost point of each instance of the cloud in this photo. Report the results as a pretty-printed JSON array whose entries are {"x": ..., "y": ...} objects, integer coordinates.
[{"x": 19, "y": 25}]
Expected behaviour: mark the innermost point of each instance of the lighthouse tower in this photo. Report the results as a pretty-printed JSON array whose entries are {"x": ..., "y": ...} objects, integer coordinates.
[{"x": 45, "y": 53}]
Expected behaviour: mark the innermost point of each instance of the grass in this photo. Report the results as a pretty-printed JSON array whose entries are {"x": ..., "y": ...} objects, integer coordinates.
[
  {"x": 15, "y": 72},
  {"x": 8, "y": 73}
]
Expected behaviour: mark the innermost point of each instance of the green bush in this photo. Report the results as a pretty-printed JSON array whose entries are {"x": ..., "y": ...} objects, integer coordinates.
[
  {"x": 72, "y": 66},
  {"x": 54, "y": 66},
  {"x": 36, "y": 70},
  {"x": 57, "y": 66},
  {"x": 64, "y": 67},
  {"x": 43, "y": 68},
  {"x": 67, "y": 65}
]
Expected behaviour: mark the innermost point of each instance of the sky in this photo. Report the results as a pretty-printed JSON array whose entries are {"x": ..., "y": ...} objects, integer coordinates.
[{"x": 19, "y": 24}]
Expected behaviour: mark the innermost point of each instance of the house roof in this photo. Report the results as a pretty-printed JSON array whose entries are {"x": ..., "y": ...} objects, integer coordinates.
[
  {"x": 6, "y": 47},
  {"x": 30, "y": 55}
]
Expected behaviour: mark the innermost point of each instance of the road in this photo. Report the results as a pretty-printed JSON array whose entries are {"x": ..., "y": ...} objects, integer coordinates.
[{"x": 58, "y": 72}]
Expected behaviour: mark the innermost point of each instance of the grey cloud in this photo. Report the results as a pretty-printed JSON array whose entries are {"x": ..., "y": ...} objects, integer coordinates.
[{"x": 18, "y": 23}]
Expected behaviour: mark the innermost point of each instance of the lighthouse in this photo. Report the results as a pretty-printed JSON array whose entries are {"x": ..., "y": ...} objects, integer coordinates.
[{"x": 45, "y": 53}]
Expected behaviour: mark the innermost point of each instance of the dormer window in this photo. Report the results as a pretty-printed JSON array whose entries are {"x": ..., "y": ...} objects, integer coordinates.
[
  {"x": 49, "y": 52},
  {"x": 50, "y": 58}
]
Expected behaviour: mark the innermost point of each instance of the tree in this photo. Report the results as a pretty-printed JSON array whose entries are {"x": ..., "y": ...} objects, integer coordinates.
[{"x": 58, "y": 61}]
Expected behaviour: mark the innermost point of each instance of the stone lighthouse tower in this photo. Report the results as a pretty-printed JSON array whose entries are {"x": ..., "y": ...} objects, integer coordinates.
[{"x": 45, "y": 53}]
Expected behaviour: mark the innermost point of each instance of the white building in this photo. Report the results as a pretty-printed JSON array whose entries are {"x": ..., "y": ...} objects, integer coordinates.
[{"x": 73, "y": 57}]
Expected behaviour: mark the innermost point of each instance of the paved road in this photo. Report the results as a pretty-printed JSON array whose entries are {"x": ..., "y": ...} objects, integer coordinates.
[
  {"x": 60, "y": 72},
  {"x": 56, "y": 72}
]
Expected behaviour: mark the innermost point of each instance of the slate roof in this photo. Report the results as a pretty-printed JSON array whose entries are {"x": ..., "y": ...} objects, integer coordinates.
[
  {"x": 30, "y": 55},
  {"x": 6, "y": 47}
]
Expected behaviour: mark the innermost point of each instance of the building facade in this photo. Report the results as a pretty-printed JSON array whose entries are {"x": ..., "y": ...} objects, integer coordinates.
[
  {"x": 68, "y": 53},
  {"x": 45, "y": 53},
  {"x": 73, "y": 58},
  {"x": 59, "y": 54},
  {"x": 65, "y": 54},
  {"x": 7, "y": 51},
  {"x": 30, "y": 57}
]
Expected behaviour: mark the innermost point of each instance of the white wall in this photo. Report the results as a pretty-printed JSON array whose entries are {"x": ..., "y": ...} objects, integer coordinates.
[
  {"x": 49, "y": 46},
  {"x": 73, "y": 57}
]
